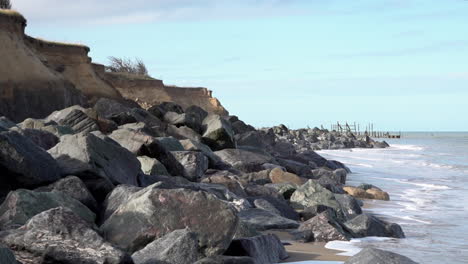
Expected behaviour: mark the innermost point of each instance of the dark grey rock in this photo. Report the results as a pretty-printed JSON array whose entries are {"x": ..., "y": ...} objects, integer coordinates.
[
  {"x": 42, "y": 138},
  {"x": 179, "y": 246},
  {"x": 349, "y": 205},
  {"x": 373, "y": 256},
  {"x": 161, "y": 109},
  {"x": 226, "y": 260},
  {"x": 106, "y": 108},
  {"x": 183, "y": 132},
  {"x": 23, "y": 163},
  {"x": 321, "y": 228},
  {"x": 367, "y": 225},
  {"x": 154, "y": 212},
  {"x": 60, "y": 236},
  {"x": 73, "y": 187},
  {"x": 79, "y": 122},
  {"x": 7, "y": 256},
  {"x": 217, "y": 133},
  {"x": 264, "y": 249},
  {"x": 244, "y": 160},
  {"x": 244, "y": 229},
  {"x": 274, "y": 204},
  {"x": 20, "y": 205},
  {"x": 83, "y": 155},
  {"x": 193, "y": 145},
  {"x": 120, "y": 195},
  {"x": 312, "y": 211},
  {"x": 194, "y": 164},
  {"x": 265, "y": 220}
]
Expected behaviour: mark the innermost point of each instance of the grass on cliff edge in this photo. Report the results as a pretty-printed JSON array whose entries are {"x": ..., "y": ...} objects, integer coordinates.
[
  {"x": 131, "y": 76},
  {"x": 10, "y": 13},
  {"x": 58, "y": 43}
]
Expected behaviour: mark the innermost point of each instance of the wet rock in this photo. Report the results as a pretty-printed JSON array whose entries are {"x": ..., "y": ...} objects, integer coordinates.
[
  {"x": 264, "y": 249},
  {"x": 20, "y": 205},
  {"x": 378, "y": 194},
  {"x": 279, "y": 176},
  {"x": 73, "y": 187},
  {"x": 367, "y": 225},
  {"x": 349, "y": 205},
  {"x": 23, "y": 163},
  {"x": 152, "y": 166},
  {"x": 321, "y": 228},
  {"x": 217, "y": 133},
  {"x": 313, "y": 211},
  {"x": 194, "y": 164},
  {"x": 373, "y": 255},
  {"x": 244, "y": 160},
  {"x": 155, "y": 212},
  {"x": 60, "y": 236},
  {"x": 264, "y": 220},
  {"x": 179, "y": 246},
  {"x": 357, "y": 192}
]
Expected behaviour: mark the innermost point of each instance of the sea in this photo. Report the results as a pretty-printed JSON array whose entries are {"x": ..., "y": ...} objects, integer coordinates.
[{"x": 426, "y": 175}]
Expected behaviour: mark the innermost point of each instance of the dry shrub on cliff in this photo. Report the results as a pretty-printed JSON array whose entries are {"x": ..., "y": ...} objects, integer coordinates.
[
  {"x": 121, "y": 65},
  {"x": 5, "y": 4}
]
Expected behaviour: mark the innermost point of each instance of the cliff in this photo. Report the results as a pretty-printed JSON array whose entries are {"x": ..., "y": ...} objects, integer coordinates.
[
  {"x": 149, "y": 91},
  {"x": 28, "y": 88}
]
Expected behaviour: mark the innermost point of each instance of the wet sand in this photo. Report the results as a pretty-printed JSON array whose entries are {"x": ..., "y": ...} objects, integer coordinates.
[{"x": 307, "y": 251}]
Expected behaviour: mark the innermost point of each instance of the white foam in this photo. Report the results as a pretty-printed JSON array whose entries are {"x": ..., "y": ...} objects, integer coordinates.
[
  {"x": 406, "y": 147},
  {"x": 351, "y": 247}
]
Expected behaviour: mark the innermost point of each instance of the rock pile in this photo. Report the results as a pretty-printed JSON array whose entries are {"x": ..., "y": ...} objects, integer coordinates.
[
  {"x": 119, "y": 185},
  {"x": 317, "y": 139}
]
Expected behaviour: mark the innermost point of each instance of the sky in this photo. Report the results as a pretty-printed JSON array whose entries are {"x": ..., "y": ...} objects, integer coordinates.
[{"x": 400, "y": 64}]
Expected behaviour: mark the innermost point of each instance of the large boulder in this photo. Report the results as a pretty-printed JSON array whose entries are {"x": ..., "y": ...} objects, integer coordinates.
[
  {"x": 321, "y": 228},
  {"x": 365, "y": 225},
  {"x": 183, "y": 132},
  {"x": 161, "y": 109},
  {"x": 349, "y": 205},
  {"x": 275, "y": 204},
  {"x": 73, "y": 187},
  {"x": 232, "y": 183},
  {"x": 186, "y": 119},
  {"x": 193, "y": 145},
  {"x": 179, "y": 246},
  {"x": 23, "y": 163},
  {"x": 277, "y": 175},
  {"x": 60, "y": 236},
  {"x": 265, "y": 220},
  {"x": 244, "y": 160},
  {"x": 120, "y": 195},
  {"x": 264, "y": 249},
  {"x": 20, "y": 205},
  {"x": 79, "y": 122},
  {"x": 312, "y": 193},
  {"x": 95, "y": 159},
  {"x": 217, "y": 133},
  {"x": 155, "y": 212},
  {"x": 194, "y": 164},
  {"x": 374, "y": 256},
  {"x": 106, "y": 108}
]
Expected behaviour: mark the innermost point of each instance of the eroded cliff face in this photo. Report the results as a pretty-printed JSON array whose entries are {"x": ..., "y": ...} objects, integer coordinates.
[
  {"x": 73, "y": 63},
  {"x": 28, "y": 88},
  {"x": 148, "y": 92}
]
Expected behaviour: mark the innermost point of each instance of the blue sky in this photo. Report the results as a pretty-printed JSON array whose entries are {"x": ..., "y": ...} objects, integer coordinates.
[{"x": 401, "y": 64}]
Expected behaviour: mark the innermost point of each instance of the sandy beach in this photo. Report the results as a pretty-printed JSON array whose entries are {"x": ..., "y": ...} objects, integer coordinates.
[{"x": 306, "y": 251}]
